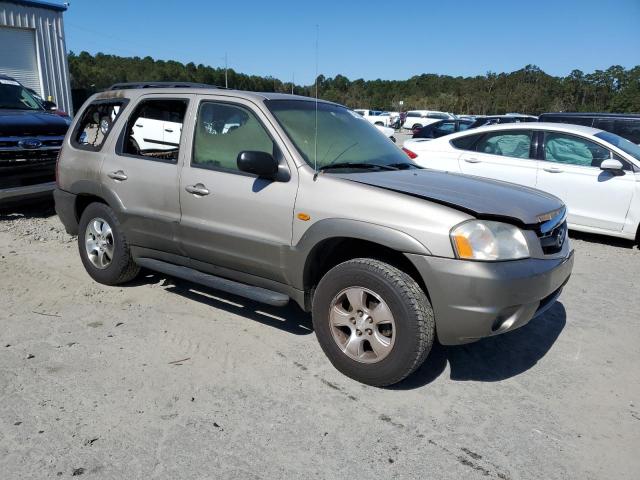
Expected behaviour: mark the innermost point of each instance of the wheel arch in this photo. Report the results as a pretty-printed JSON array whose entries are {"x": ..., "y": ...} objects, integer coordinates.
[{"x": 333, "y": 241}]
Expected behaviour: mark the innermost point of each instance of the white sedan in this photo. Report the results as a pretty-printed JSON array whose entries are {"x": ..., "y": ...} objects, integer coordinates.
[{"x": 596, "y": 173}]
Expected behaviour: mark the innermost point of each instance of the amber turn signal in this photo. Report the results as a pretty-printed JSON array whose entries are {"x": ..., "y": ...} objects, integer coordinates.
[{"x": 304, "y": 217}]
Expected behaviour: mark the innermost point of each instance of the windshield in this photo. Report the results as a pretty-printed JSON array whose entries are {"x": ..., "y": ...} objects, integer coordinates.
[
  {"x": 15, "y": 96},
  {"x": 622, "y": 143},
  {"x": 344, "y": 137}
]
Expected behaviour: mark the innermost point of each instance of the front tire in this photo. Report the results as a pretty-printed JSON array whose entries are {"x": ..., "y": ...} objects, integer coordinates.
[
  {"x": 103, "y": 247},
  {"x": 373, "y": 321}
]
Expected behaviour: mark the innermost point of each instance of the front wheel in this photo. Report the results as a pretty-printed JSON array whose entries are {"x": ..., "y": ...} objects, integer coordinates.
[{"x": 373, "y": 321}]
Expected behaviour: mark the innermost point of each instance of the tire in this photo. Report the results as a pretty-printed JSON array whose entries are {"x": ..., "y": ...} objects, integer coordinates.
[
  {"x": 120, "y": 267},
  {"x": 380, "y": 124},
  {"x": 416, "y": 126},
  {"x": 413, "y": 326}
]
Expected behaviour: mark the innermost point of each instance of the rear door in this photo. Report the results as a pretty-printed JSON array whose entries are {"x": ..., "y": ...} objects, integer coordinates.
[
  {"x": 507, "y": 155},
  {"x": 144, "y": 177},
  {"x": 230, "y": 218},
  {"x": 570, "y": 169}
]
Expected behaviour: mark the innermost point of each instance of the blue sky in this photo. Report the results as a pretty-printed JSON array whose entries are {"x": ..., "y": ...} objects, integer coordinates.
[{"x": 364, "y": 39}]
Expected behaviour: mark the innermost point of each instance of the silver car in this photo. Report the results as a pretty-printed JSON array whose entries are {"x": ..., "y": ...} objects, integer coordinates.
[{"x": 276, "y": 197}]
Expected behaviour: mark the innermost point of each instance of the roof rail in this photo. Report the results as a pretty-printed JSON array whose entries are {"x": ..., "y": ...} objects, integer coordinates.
[{"x": 133, "y": 85}]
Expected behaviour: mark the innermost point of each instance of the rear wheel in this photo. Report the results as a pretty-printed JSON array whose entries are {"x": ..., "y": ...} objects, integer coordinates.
[
  {"x": 373, "y": 321},
  {"x": 103, "y": 247},
  {"x": 416, "y": 126}
]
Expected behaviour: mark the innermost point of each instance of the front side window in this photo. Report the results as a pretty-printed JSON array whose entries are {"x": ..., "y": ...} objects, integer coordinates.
[
  {"x": 14, "y": 96},
  {"x": 572, "y": 150},
  {"x": 223, "y": 131},
  {"x": 513, "y": 143},
  {"x": 96, "y": 123},
  {"x": 463, "y": 125},
  {"x": 335, "y": 136},
  {"x": 441, "y": 116},
  {"x": 154, "y": 129}
]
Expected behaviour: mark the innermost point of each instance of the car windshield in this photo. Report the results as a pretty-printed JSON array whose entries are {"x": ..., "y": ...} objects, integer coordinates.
[
  {"x": 343, "y": 137},
  {"x": 14, "y": 96},
  {"x": 622, "y": 143}
]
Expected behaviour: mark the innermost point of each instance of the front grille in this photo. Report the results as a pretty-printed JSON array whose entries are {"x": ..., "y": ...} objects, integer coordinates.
[
  {"x": 553, "y": 240},
  {"x": 23, "y": 167}
]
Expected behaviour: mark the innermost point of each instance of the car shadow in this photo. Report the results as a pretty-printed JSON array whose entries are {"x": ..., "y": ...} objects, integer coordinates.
[
  {"x": 290, "y": 318},
  {"x": 495, "y": 358},
  {"x": 40, "y": 208},
  {"x": 602, "y": 239}
]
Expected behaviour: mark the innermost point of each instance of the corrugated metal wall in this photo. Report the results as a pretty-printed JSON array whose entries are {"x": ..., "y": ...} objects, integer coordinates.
[{"x": 51, "y": 46}]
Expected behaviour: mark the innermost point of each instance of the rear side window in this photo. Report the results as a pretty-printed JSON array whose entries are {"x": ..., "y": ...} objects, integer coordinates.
[
  {"x": 222, "y": 132},
  {"x": 514, "y": 143},
  {"x": 466, "y": 142},
  {"x": 441, "y": 116},
  {"x": 96, "y": 123},
  {"x": 154, "y": 129}
]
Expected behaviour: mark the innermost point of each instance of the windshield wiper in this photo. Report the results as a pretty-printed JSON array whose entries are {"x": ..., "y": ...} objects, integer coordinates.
[
  {"x": 366, "y": 166},
  {"x": 404, "y": 166}
]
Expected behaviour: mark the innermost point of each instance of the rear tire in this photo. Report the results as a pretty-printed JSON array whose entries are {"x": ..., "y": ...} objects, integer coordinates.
[
  {"x": 339, "y": 323},
  {"x": 103, "y": 247}
]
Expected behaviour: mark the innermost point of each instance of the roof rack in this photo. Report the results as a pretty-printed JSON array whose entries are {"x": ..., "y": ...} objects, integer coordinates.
[{"x": 133, "y": 85}]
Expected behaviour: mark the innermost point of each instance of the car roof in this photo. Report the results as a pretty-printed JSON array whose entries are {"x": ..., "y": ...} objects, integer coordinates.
[
  {"x": 136, "y": 92},
  {"x": 558, "y": 127}
]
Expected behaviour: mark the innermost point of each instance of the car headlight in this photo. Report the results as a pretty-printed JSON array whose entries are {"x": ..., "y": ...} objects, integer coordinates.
[{"x": 489, "y": 241}]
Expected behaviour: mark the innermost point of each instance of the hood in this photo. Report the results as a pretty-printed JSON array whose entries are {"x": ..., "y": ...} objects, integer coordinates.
[
  {"x": 26, "y": 123},
  {"x": 481, "y": 197}
]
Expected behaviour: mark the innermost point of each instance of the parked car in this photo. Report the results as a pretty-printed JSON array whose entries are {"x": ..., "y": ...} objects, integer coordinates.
[
  {"x": 482, "y": 120},
  {"x": 388, "y": 132},
  {"x": 596, "y": 173},
  {"x": 627, "y": 125},
  {"x": 305, "y": 200},
  {"x": 377, "y": 117},
  {"x": 46, "y": 104},
  {"x": 442, "y": 128},
  {"x": 421, "y": 118},
  {"x": 30, "y": 139}
]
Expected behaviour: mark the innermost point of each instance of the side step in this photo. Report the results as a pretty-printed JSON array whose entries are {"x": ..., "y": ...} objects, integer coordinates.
[{"x": 257, "y": 294}]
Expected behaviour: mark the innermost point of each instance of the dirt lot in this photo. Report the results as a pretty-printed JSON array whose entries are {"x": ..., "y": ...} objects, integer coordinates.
[{"x": 163, "y": 379}]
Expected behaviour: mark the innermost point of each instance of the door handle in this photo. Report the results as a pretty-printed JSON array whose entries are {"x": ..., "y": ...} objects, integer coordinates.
[
  {"x": 119, "y": 175},
  {"x": 198, "y": 189},
  {"x": 168, "y": 130},
  {"x": 553, "y": 170},
  {"x": 472, "y": 160},
  {"x": 138, "y": 125}
]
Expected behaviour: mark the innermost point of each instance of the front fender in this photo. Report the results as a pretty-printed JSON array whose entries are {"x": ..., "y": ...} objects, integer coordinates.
[{"x": 345, "y": 228}]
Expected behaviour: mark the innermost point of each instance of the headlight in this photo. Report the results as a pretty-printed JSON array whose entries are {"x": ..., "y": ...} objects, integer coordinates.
[{"x": 489, "y": 241}]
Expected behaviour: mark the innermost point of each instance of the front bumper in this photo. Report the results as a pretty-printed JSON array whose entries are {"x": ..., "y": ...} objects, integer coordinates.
[{"x": 473, "y": 300}]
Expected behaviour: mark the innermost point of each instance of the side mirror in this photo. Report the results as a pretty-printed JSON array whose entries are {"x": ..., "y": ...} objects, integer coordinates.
[
  {"x": 611, "y": 165},
  {"x": 261, "y": 164},
  {"x": 49, "y": 105}
]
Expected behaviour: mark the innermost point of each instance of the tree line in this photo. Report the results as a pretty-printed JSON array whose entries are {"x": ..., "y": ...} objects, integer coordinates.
[{"x": 528, "y": 90}]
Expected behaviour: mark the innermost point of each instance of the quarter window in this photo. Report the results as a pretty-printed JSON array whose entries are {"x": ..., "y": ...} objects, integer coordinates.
[
  {"x": 96, "y": 123},
  {"x": 223, "y": 131},
  {"x": 154, "y": 129},
  {"x": 572, "y": 150},
  {"x": 513, "y": 143}
]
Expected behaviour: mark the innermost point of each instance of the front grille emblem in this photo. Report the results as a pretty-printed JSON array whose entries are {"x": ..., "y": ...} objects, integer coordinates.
[{"x": 30, "y": 143}]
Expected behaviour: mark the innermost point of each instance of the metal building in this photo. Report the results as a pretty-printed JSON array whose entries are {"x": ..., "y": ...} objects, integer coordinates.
[{"x": 33, "y": 49}]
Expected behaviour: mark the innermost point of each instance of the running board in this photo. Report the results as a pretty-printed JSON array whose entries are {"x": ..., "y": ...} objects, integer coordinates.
[{"x": 257, "y": 294}]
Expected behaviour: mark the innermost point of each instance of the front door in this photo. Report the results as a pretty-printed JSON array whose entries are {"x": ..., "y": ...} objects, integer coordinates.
[
  {"x": 502, "y": 155},
  {"x": 570, "y": 169},
  {"x": 144, "y": 176},
  {"x": 231, "y": 218}
]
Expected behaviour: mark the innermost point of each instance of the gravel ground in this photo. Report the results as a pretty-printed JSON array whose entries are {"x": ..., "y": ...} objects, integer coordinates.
[{"x": 164, "y": 379}]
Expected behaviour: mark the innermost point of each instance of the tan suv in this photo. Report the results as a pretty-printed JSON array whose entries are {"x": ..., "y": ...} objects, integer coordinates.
[{"x": 275, "y": 197}]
